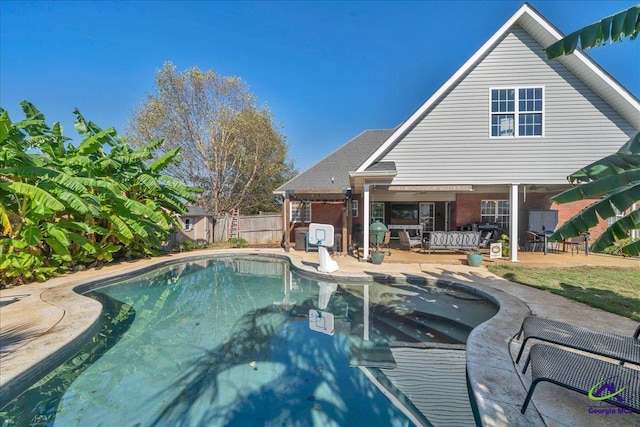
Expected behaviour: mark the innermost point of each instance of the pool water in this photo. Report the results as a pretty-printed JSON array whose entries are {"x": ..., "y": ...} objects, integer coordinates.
[{"x": 245, "y": 341}]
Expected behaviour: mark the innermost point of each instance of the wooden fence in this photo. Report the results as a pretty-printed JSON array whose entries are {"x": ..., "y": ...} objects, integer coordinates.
[{"x": 265, "y": 229}]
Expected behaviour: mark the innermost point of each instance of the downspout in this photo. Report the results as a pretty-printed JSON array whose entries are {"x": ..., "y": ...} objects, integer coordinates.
[
  {"x": 513, "y": 224},
  {"x": 367, "y": 221}
]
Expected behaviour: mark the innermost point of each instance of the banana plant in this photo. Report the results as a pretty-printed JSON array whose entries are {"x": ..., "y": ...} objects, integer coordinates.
[
  {"x": 63, "y": 205},
  {"x": 615, "y": 181}
]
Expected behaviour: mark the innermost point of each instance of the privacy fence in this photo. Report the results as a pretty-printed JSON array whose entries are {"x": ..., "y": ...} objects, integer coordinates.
[{"x": 264, "y": 229}]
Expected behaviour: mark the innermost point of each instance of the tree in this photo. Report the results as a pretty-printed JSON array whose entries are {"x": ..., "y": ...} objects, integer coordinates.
[
  {"x": 64, "y": 206},
  {"x": 614, "y": 179},
  {"x": 229, "y": 146}
]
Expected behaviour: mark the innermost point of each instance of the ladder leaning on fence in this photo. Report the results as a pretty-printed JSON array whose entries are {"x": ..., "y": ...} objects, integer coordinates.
[{"x": 234, "y": 231}]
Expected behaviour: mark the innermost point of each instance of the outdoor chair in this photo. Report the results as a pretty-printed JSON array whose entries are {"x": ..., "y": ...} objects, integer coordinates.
[
  {"x": 385, "y": 242},
  {"x": 486, "y": 239},
  {"x": 407, "y": 242},
  {"x": 579, "y": 242},
  {"x": 533, "y": 240},
  {"x": 619, "y": 347},
  {"x": 607, "y": 381}
]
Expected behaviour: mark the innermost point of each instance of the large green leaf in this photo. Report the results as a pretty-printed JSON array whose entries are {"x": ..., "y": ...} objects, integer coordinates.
[
  {"x": 165, "y": 160},
  {"x": 617, "y": 231},
  {"x": 626, "y": 158},
  {"x": 610, "y": 29},
  {"x": 5, "y": 127},
  {"x": 36, "y": 194},
  {"x": 59, "y": 249},
  {"x": 83, "y": 226},
  {"x": 120, "y": 229},
  {"x": 31, "y": 234},
  {"x": 94, "y": 142},
  {"x": 58, "y": 233}
]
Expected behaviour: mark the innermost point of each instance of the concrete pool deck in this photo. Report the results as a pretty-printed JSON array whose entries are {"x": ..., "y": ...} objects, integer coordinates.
[{"x": 39, "y": 320}]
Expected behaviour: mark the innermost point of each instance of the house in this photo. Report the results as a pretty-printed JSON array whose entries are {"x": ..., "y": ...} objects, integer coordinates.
[
  {"x": 197, "y": 226},
  {"x": 490, "y": 146}
]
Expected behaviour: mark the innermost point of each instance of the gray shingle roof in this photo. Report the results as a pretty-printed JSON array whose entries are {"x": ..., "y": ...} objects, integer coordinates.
[
  {"x": 332, "y": 172},
  {"x": 197, "y": 211}
]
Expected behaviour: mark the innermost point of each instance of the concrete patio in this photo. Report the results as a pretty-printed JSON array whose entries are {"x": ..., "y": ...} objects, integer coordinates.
[{"x": 40, "y": 320}]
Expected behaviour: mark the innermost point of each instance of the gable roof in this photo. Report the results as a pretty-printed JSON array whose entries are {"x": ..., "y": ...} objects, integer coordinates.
[
  {"x": 545, "y": 33},
  {"x": 331, "y": 174}
]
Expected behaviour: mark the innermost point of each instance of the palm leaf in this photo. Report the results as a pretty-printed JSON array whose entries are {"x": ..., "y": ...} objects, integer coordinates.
[
  {"x": 622, "y": 198},
  {"x": 36, "y": 194},
  {"x": 5, "y": 224},
  {"x": 619, "y": 230},
  {"x": 95, "y": 142},
  {"x": 165, "y": 160},
  {"x": 5, "y": 126},
  {"x": 120, "y": 229},
  {"x": 610, "y": 29},
  {"x": 31, "y": 234},
  {"x": 83, "y": 226},
  {"x": 58, "y": 248},
  {"x": 626, "y": 158}
]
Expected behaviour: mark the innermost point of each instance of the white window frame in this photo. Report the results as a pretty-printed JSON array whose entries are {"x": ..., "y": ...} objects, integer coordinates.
[
  {"x": 296, "y": 214},
  {"x": 372, "y": 211},
  {"x": 503, "y": 219},
  {"x": 517, "y": 112},
  {"x": 428, "y": 216},
  {"x": 354, "y": 209},
  {"x": 187, "y": 224}
]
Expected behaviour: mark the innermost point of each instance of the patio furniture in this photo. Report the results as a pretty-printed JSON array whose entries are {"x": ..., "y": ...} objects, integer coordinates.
[
  {"x": 607, "y": 344},
  {"x": 486, "y": 239},
  {"x": 533, "y": 240},
  {"x": 596, "y": 378},
  {"x": 407, "y": 242},
  {"x": 578, "y": 242},
  {"x": 455, "y": 240},
  {"x": 385, "y": 242}
]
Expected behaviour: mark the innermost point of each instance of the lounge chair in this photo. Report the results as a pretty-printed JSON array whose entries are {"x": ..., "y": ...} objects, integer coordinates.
[
  {"x": 607, "y": 344},
  {"x": 407, "y": 242},
  {"x": 596, "y": 378}
]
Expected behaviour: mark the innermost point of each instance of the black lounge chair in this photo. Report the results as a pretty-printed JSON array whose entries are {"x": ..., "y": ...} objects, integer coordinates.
[
  {"x": 619, "y": 347},
  {"x": 596, "y": 378}
]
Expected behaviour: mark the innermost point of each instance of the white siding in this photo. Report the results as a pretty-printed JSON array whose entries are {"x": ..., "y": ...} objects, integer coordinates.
[{"x": 451, "y": 144}]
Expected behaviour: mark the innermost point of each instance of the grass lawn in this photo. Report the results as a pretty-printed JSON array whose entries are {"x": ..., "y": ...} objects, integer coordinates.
[{"x": 614, "y": 289}]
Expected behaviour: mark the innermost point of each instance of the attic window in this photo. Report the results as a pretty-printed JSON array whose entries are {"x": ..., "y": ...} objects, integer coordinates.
[
  {"x": 187, "y": 224},
  {"x": 523, "y": 106}
]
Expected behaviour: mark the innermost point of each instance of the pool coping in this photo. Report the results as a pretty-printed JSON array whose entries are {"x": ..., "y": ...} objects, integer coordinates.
[{"x": 497, "y": 386}]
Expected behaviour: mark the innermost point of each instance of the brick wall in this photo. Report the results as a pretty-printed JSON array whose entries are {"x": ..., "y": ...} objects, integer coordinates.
[{"x": 467, "y": 209}]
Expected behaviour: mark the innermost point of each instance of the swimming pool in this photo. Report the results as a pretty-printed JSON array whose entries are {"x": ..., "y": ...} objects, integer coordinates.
[{"x": 247, "y": 341}]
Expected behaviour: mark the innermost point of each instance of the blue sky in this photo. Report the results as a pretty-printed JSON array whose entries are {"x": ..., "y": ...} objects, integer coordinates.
[{"x": 327, "y": 70}]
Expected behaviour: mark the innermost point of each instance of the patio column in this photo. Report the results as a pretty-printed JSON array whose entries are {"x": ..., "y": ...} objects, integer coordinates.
[
  {"x": 367, "y": 221},
  {"x": 286, "y": 221},
  {"x": 513, "y": 223}
]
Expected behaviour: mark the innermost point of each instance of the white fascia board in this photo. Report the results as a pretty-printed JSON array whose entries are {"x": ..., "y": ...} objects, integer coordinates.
[
  {"x": 592, "y": 66},
  {"x": 445, "y": 87},
  {"x": 524, "y": 9}
]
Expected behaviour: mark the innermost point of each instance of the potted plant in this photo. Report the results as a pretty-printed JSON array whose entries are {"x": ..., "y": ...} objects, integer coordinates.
[
  {"x": 504, "y": 239},
  {"x": 474, "y": 257},
  {"x": 377, "y": 231}
]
